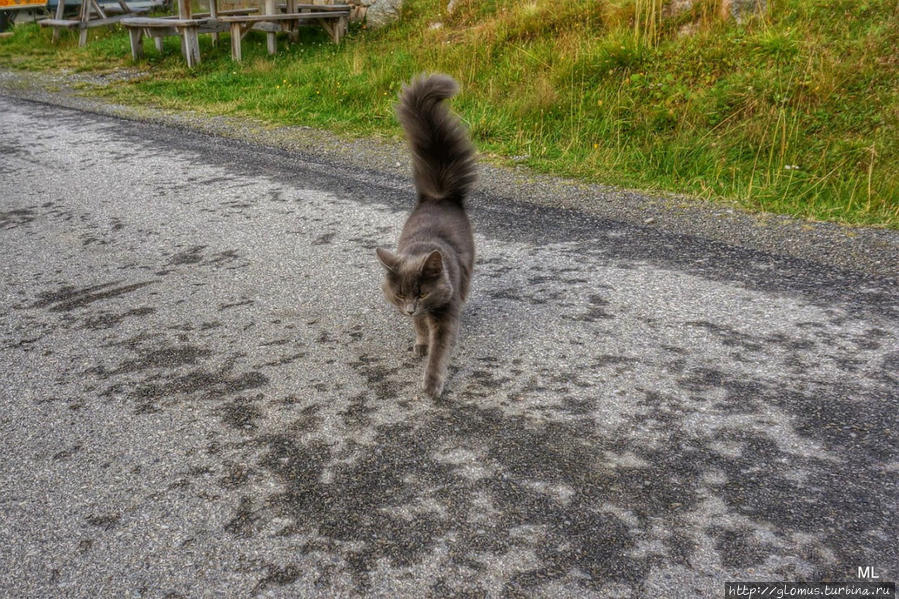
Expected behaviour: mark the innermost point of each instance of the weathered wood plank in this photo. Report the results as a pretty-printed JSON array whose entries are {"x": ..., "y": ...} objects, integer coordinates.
[
  {"x": 320, "y": 7},
  {"x": 59, "y": 23},
  {"x": 227, "y": 12}
]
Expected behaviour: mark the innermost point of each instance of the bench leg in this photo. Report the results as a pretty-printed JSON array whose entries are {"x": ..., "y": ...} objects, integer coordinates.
[
  {"x": 157, "y": 41},
  {"x": 292, "y": 29},
  {"x": 82, "y": 36},
  {"x": 190, "y": 44},
  {"x": 335, "y": 29},
  {"x": 340, "y": 29},
  {"x": 137, "y": 42},
  {"x": 235, "y": 42}
]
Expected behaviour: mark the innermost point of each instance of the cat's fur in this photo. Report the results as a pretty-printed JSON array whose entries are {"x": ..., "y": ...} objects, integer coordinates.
[{"x": 428, "y": 277}]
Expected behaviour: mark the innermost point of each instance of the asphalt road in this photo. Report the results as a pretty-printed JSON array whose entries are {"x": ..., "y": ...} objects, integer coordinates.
[{"x": 204, "y": 393}]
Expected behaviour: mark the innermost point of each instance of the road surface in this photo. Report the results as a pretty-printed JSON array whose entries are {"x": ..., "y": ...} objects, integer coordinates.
[{"x": 204, "y": 393}]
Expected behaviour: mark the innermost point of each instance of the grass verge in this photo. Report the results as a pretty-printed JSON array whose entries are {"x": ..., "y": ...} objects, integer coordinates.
[{"x": 796, "y": 112}]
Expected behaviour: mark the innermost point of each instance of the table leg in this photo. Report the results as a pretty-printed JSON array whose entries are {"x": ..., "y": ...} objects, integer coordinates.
[
  {"x": 60, "y": 7},
  {"x": 214, "y": 13},
  {"x": 235, "y": 42},
  {"x": 272, "y": 44}
]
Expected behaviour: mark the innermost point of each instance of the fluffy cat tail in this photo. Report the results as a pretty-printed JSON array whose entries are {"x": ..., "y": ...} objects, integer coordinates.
[{"x": 442, "y": 155}]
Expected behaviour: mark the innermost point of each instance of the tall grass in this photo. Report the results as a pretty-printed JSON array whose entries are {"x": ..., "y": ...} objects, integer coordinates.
[{"x": 795, "y": 112}]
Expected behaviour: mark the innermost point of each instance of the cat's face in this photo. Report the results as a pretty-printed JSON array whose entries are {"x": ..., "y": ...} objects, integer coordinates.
[{"x": 415, "y": 284}]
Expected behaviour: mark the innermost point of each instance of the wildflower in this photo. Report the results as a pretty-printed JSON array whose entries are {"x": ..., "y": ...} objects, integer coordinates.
[{"x": 599, "y": 103}]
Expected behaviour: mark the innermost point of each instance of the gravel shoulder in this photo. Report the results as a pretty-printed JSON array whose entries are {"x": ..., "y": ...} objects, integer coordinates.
[{"x": 868, "y": 250}]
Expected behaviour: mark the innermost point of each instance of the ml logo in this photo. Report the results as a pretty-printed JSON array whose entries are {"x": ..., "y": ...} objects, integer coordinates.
[{"x": 867, "y": 573}]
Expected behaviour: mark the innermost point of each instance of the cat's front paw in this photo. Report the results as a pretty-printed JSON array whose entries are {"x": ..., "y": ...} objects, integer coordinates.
[
  {"x": 433, "y": 387},
  {"x": 420, "y": 349}
]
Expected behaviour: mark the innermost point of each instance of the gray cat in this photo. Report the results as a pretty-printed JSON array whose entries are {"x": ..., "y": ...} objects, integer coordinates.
[{"x": 429, "y": 275}]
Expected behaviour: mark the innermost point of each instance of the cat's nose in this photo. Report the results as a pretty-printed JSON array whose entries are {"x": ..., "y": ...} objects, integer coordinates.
[{"x": 410, "y": 309}]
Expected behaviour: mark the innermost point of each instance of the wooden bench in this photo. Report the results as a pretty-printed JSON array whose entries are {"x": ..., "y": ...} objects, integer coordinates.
[
  {"x": 333, "y": 19},
  {"x": 187, "y": 29}
]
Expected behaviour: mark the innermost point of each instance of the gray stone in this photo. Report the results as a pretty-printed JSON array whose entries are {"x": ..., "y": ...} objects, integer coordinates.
[
  {"x": 739, "y": 9},
  {"x": 730, "y": 9},
  {"x": 383, "y": 12},
  {"x": 676, "y": 7}
]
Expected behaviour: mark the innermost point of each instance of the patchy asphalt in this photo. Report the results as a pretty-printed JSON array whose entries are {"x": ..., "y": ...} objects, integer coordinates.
[{"x": 203, "y": 393}]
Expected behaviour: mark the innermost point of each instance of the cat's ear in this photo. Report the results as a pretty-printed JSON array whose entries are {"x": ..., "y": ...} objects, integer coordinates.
[
  {"x": 432, "y": 265},
  {"x": 388, "y": 259}
]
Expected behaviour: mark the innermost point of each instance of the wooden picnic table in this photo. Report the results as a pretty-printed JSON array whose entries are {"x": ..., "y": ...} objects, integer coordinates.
[
  {"x": 333, "y": 18},
  {"x": 92, "y": 14}
]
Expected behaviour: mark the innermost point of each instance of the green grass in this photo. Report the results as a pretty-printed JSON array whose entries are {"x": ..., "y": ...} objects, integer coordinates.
[{"x": 795, "y": 113}]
